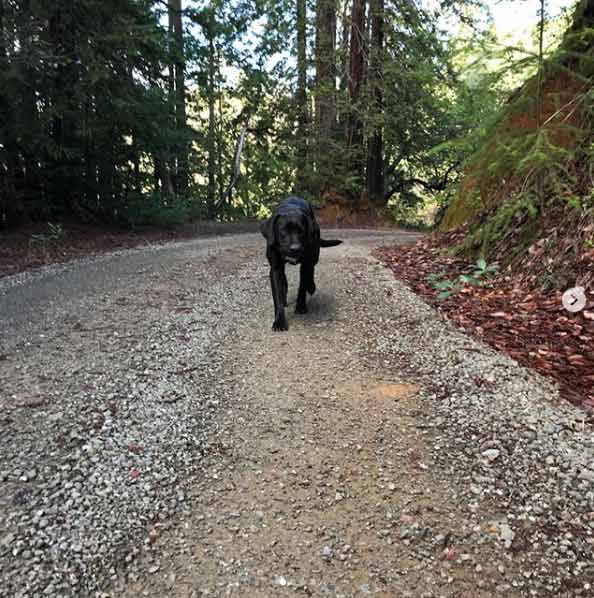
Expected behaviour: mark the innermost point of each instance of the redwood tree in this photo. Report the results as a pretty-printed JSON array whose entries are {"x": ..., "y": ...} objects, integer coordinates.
[
  {"x": 375, "y": 149},
  {"x": 325, "y": 92},
  {"x": 176, "y": 26},
  {"x": 356, "y": 70},
  {"x": 302, "y": 111}
]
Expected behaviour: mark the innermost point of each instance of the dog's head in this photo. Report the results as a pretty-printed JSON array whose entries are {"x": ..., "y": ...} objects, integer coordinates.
[{"x": 289, "y": 232}]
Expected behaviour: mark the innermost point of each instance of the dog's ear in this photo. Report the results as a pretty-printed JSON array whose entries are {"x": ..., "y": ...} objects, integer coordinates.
[
  {"x": 314, "y": 227},
  {"x": 268, "y": 230},
  {"x": 306, "y": 221},
  {"x": 265, "y": 227}
]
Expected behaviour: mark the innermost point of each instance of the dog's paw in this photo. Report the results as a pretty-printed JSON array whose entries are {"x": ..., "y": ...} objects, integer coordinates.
[
  {"x": 280, "y": 324},
  {"x": 301, "y": 308},
  {"x": 312, "y": 288}
]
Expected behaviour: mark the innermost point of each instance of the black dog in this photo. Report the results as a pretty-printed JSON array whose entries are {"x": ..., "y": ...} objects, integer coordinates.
[{"x": 293, "y": 235}]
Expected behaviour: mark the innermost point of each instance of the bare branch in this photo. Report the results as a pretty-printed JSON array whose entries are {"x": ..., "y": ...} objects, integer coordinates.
[{"x": 226, "y": 196}]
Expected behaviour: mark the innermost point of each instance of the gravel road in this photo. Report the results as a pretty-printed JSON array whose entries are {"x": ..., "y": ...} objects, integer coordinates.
[{"x": 158, "y": 439}]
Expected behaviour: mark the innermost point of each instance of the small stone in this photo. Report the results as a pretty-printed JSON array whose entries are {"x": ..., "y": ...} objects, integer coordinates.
[
  {"x": 506, "y": 534},
  {"x": 491, "y": 454},
  {"x": 327, "y": 552}
]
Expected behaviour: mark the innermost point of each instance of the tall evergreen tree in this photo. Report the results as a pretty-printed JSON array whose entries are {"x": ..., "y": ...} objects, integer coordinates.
[
  {"x": 178, "y": 63},
  {"x": 375, "y": 150},
  {"x": 302, "y": 111},
  {"x": 356, "y": 71},
  {"x": 325, "y": 89}
]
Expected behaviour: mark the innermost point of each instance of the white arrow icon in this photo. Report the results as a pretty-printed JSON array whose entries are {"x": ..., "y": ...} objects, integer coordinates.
[{"x": 574, "y": 300}]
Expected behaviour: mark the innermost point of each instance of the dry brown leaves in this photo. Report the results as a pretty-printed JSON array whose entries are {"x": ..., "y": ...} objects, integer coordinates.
[{"x": 530, "y": 326}]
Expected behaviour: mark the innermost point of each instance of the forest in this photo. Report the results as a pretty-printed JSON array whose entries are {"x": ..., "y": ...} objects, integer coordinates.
[
  {"x": 160, "y": 112},
  {"x": 153, "y": 112},
  {"x": 417, "y": 421}
]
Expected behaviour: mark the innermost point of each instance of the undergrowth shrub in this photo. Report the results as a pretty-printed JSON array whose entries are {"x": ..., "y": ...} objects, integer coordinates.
[{"x": 154, "y": 210}]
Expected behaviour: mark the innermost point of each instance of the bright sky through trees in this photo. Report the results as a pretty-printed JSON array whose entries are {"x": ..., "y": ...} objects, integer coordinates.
[{"x": 518, "y": 17}]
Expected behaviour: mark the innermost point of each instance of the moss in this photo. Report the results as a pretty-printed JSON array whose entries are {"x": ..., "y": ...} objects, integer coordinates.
[
  {"x": 457, "y": 214},
  {"x": 516, "y": 221}
]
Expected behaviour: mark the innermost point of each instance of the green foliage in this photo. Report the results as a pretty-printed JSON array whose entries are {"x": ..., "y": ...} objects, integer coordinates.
[
  {"x": 479, "y": 276},
  {"x": 529, "y": 158},
  {"x": 91, "y": 124},
  {"x": 446, "y": 287},
  {"x": 153, "y": 210},
  {"x": 54, "y": 234},
  {"x": 518, "y": 218}
]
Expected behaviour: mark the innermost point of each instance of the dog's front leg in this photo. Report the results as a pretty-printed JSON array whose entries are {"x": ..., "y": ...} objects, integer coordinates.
[
  {"x": 306, "y": 277},
  {"x": 285, "y": 289},
  {"x": 277, "y": 283}
]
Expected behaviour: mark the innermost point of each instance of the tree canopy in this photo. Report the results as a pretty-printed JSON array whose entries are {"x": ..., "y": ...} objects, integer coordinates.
[{"x": 158, "y": 111}]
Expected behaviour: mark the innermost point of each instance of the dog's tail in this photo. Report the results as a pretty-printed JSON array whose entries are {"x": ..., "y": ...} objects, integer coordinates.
[{"x": 329, "y": 242}]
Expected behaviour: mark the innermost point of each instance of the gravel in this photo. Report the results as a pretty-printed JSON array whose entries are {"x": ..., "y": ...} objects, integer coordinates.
[
  {"x": 511, "y": 447},
  {"x": 145, "y": 420},
  {"x": 105, "y": 409}
]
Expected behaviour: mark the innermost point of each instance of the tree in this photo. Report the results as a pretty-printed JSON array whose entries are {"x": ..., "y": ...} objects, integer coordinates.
[
  {"x": 211, "y": 143},
  {"x": 375, "y": 151},
  {"x": 302, "y": 112},
  {"x": 178, "y": 64},
  {"x": 356, "y": 68},
  {"x": 325, "y": 89}
]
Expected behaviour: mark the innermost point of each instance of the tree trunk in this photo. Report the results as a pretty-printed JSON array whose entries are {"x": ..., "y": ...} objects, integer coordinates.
[
  {"x": 375, "y": 151},
  {"x": 175, "y": 14},
  {"x": 540, "y": 175},
  {"x": 91, "y": 185},
  {"x": 220, "y": 131},
  {"x": 325, "y": 100},
  {"x": 355, "y": 127},
  {"x": 8, "y": 201},
  {"x": 65, "y": 173},
  {"x": 343, "y": 54},
  {"x": 28, "y": 117},
  {"x": 212, "y": 156},
  {"x": 163, "y": 182},
  {"x": 301, "y": 97}
]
